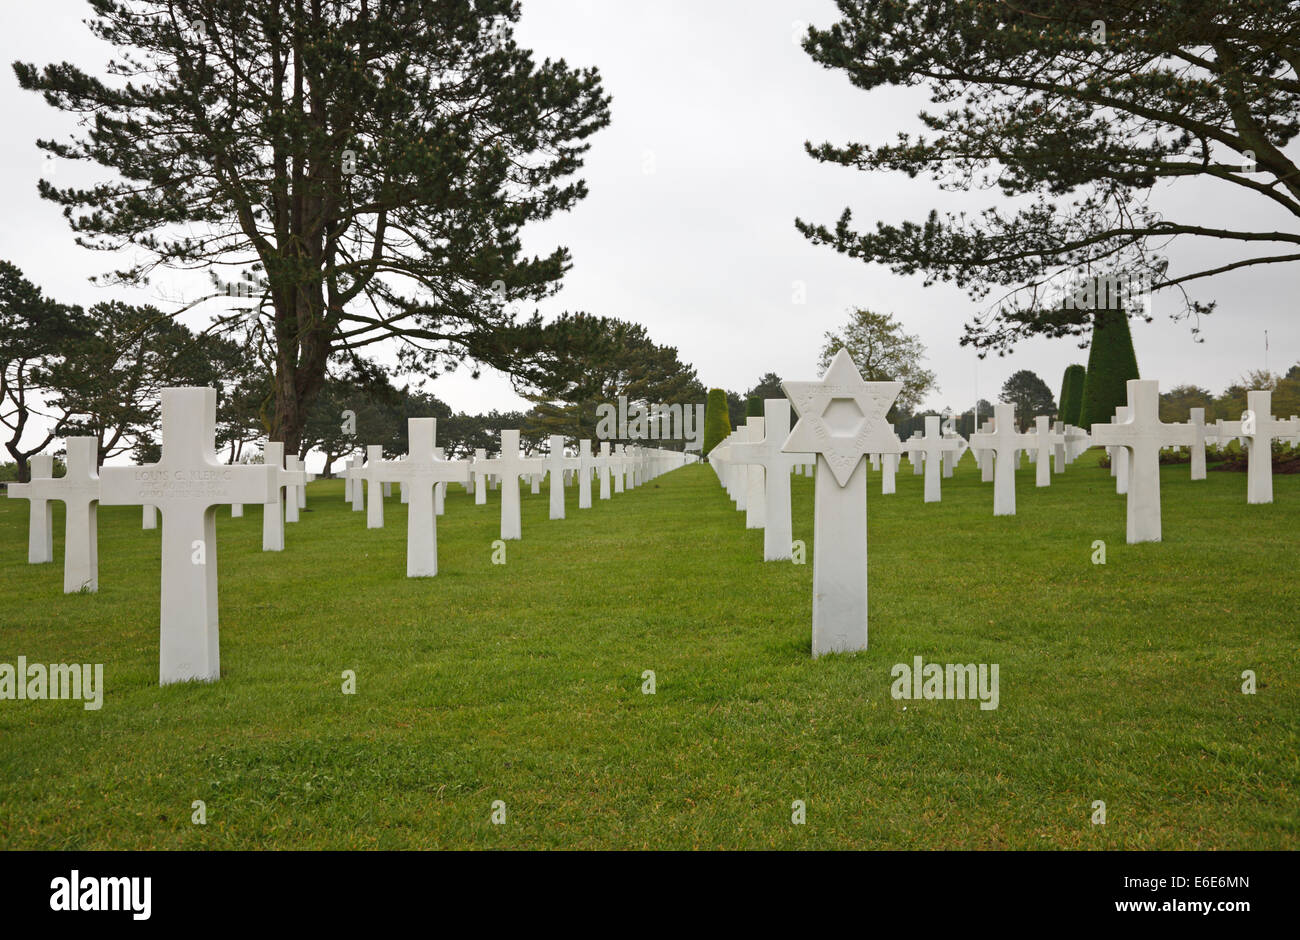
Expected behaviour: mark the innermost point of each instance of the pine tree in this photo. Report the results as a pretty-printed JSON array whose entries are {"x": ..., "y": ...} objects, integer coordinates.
[
  {"x": 769, "y": 386},
  {"x": 1111, "y": 363},
  {"x": 753, "y": 407},
  {"x": 373, "y": 163},
  {"x": 717, "y": 419},
  {"x": 1029, "y": 394},
  {"x": 1095, "y": 100}
]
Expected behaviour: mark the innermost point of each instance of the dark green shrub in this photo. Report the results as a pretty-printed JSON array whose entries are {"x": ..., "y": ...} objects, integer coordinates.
[
  {"x": 717, "y": 420},
  {"x": 1111, "y": 363}
]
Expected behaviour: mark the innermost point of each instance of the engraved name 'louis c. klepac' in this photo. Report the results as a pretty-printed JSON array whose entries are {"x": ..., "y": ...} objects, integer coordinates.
[{"x": 147, "y": 474}]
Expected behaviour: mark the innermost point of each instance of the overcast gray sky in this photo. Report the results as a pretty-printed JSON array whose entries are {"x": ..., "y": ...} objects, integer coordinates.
[{"x": 694, "y": 190}]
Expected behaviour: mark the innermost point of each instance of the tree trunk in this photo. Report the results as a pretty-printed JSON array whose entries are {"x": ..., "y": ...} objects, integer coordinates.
[
  {"x": 305, "y": 336},
  {"x": 20, "y": 460}
]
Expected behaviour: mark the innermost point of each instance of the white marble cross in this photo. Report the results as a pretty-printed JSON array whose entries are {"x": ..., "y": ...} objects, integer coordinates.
[
  {"x": 272, "y": 513},
  {"x": 40, "y": 516},
  {"x": 187, "y": 484},
  {"x": 630, "y": 459},
  {"x": 739, "y": 472},
  {"x": 934, "y": 447},
  {"x": 775, "y": 465},
  {"x": 148, "y": 517},
  {"x": 984, "y": 457},
  {"x": 916, "y": 454},
  {"x": 620, "y": 467},
  {"x": 1047, "y": 443},
  {"x": 1000, "y": 447},
  {"x": 421, "y": 472},
  {"x": 556, "y": 464},
  {"x": 1119, "y": 456},
  {"x": 1140, "y": 435},
  {"x": 78, "y": 490},
  {"x": 356, "y": 473},
  {"x": 480, "y": 476},
  {"x": 888, "y": 474},
  {"x": 841, "y": 420},
  {"x": 1258, "y": 429},
  {"x": 752, "y": 473},
  {"x": 952, "y": 457},
  {"x": 439, "y": 489},
  {"x": 603, "y": 463},
  {"x": 1058, "y": 452},
  {"x": 1077, "y": 440},
  {"x": 508, "y": 468},
  {"x": 374, "y": 494},
  {"x": 1197, "y": 421},
  {"x": 586, "y": 463},
  {"x": 296, "y": 495}
]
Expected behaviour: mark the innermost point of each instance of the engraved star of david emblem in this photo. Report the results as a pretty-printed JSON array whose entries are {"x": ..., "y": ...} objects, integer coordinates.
[{"x": 842, "y": 417}]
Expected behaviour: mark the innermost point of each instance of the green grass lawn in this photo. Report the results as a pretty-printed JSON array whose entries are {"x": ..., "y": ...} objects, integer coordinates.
[{"x": 522, "y": 682}]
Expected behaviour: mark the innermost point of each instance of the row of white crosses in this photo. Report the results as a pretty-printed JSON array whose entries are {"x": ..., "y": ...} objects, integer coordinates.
[
  {"x": 187, "y": 484},
  {"x": 997, "y": 447},
  {"x": 425, "y": 473},
  {"x": 1000, "y": 444},
  {"x": 842, "y": 420},
  {"x": 742, "y": 472},
  {"x": 755, "y": 472},
  {"x": 1137, "y": 436},
  {"x": 80, "y": 490},
  {"x": 929, "y": 454},
  {"x": 933, "y": 454},
  {"x": 754, "y": 454},
  {"x": 1258, "y": 429}
]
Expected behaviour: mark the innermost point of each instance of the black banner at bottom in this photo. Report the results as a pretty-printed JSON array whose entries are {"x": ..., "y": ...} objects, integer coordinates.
[{"x": 139, "y": 890}]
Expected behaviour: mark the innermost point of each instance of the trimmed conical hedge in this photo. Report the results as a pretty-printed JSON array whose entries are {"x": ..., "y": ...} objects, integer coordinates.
[
  {"x": 1072, "y": 394},
  {"x": 717, "y": 419},
  {"x": 1111, "y": 363}
]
